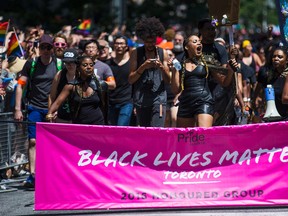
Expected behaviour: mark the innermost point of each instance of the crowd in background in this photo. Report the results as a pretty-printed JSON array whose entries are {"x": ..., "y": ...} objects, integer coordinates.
[{"x": 131, "y": 79}]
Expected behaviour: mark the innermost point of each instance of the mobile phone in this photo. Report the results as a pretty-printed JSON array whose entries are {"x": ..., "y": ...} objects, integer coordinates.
[
  {"x": 153, "y": 60},
  {"x": 35, "y": 44}
]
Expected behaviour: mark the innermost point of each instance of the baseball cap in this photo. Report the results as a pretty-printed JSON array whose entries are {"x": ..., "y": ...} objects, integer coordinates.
[
  {"x": 70, "y": 55},
  {"x": 46, "y": 39}
]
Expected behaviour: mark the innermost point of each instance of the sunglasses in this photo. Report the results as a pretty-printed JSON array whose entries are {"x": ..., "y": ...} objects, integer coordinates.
[
  {"x": 59, "y": 44},
  {"x": 45, "y": 47}
]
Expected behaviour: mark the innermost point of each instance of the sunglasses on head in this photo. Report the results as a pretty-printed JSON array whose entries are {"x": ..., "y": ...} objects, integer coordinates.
[
  {"x": 60, "y": 44},
  {"x": 47, "y": 47}
]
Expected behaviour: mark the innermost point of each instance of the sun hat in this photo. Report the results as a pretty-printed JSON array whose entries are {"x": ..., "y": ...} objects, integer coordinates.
[{"x": 15, "y": 64}]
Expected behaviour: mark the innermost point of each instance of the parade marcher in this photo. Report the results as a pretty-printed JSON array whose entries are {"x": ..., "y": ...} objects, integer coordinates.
[
  {"x": 250, "y": 58},
  {"x": 84, "y": 96},
  {"x": 38, "y": 74},
  {"x": 217, "y": 57},
  {"x": 104, "y": 51},
  {"x": 148, "y": 71},
  {"x": 102, "y": 71},
  {"x": 66, "y": 75},
  {"x": 172, "y": 100},
  {"x": 178, "y": 49},
  {"x": 196, "y": 104},
  {"x": 59, "y": 45},
  {"x": 274, "y": 73},
  {"x": 120, "y": 99},
  {"x": 31, "y": 48}
]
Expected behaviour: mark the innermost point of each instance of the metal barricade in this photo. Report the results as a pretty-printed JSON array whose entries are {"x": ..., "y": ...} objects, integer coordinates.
[{"x": 13, "y": 142}]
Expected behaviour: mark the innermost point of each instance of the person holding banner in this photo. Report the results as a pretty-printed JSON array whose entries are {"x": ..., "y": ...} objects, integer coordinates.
[
  {"x": 84, "y": 95},
  {"x": 196, "y": 104}
]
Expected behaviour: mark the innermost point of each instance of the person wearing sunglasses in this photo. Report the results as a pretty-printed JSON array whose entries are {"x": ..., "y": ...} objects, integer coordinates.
[
  {"x": 104, "y": 51},
  {"x": 66, "y": 75},
  {"x": 37, "y": 76},
  {"x": 59, "y": 45}
]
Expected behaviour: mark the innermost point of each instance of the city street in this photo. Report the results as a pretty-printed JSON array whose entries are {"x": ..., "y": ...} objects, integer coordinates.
[{"x": 16, "y": 200}]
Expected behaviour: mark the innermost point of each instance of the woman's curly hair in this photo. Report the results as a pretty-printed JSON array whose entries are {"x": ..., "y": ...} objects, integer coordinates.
[{"x": 149, "y": 27}]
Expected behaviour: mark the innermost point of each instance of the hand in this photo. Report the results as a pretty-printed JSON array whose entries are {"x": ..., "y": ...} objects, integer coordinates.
[
  {"x": 233, "y": 64},
  {"x": 170, "y": 65},
  {"x": 150, "y": 63},
  {"x": 2, "y": 91},
  {"x": 18, "y": 115},
  {"x": 51, "y": 117}
]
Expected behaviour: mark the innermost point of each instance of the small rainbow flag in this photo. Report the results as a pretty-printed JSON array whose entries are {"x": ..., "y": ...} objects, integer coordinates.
[
  {"x": 84, "y": 27},
  {"x": 3, "y": 31},
  {"x": 14, "y": 47}
]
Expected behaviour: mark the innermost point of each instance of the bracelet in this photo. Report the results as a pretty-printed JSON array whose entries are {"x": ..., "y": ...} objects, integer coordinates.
[
  {"x": 245, "y": 99},
  {"x": 49, "y": 116}
]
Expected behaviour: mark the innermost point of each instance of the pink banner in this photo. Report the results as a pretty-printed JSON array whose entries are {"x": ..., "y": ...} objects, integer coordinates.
[{"x": 101, "y": 167}]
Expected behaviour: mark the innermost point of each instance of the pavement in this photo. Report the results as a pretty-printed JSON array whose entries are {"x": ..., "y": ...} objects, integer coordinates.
[{"x": 16, "y": 200}]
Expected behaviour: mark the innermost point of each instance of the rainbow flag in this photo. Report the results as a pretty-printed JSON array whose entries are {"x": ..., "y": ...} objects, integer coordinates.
[
  {"x": 3, "y": 31},
  {"x": 84, "y": 27},
  {"x": 14, "y": 47}
]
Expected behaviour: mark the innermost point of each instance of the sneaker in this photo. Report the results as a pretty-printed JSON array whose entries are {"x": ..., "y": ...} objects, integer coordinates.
[{"x": 30, "y": 182}]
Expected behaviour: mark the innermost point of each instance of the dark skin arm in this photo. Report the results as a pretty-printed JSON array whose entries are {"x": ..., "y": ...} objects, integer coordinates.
[{"x": 135, "y": 73}]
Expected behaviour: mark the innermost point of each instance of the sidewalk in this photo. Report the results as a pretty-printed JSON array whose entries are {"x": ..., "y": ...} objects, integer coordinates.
[{"x": 17, "y": 200}]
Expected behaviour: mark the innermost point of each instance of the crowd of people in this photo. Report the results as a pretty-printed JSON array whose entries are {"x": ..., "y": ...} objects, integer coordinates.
[{"x": 132, "y": 81}]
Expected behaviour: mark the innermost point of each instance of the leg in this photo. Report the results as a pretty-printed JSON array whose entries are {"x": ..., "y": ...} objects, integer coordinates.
[
  {"x": 185, "y": 122},
  {"x": 143, "y": 116},
  {"x": 32, "y": 155},
  {"x": 125, "y": 114},
  {"x": 113, "y": 113},
  {"x": 173, "y": 113},
  {"x": 158, "y": 115},
  {"x": 204, "y": 120}
]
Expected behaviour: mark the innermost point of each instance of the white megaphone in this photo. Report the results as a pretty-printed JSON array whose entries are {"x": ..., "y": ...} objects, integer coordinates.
[{"x": 271, "y": 114}]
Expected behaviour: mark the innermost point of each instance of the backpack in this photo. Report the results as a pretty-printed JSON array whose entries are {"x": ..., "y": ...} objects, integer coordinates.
[{"x": 32, "y": 71}]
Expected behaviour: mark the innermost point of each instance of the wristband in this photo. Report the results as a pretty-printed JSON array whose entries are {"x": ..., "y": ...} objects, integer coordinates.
[{"x": 21, "y": 82}]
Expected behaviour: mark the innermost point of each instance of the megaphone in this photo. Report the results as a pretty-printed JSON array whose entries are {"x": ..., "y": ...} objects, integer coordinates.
[{"x": 271, "y": 114}]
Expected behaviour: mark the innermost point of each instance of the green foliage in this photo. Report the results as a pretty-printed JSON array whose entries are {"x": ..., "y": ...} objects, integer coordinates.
[
  {"x": 53, "y": 14},
  {"x": 254, "y": 12}
]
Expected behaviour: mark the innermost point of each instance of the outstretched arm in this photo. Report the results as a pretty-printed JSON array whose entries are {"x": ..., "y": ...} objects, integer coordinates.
[{"x": 60, "y": 99}]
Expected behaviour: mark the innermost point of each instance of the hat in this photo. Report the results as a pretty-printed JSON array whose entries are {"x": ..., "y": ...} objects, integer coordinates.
[
  {"x": 166, "y": 45},
  {"x": 245, "y": 43},
  {"x": 46, "y": 39},
  {"x": 15, "y": 64},
  {"x": 70, "y": 55}
]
